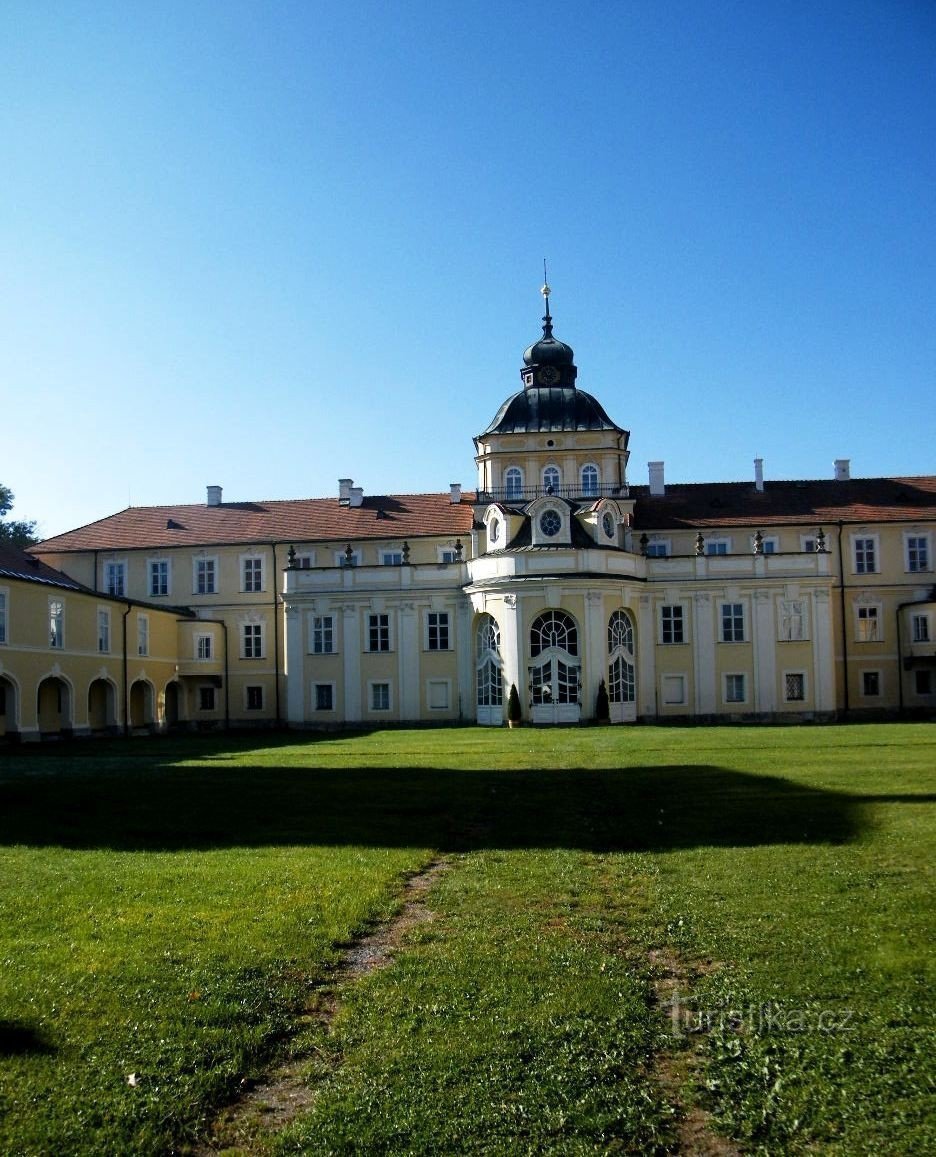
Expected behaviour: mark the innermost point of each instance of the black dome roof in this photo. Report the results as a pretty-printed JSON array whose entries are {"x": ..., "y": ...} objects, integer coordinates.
[
  {"x": 548, "y": 351},
  {"x": 538, "y": 409}
]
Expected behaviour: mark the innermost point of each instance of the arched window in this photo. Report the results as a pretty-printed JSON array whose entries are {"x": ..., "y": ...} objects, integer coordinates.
[
  {"x": 553, "y": 629},
  {"x": 489, "y": 680},
  {"x": 590, "y": 481},
  {"x": 551, "y": 479},
  {"x": 513, "y": 483},
  {"x": 622, "y": 684}
]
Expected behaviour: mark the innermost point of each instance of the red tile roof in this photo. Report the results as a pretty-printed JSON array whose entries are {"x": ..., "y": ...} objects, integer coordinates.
[
  {"x": 400, "y": 516},
  {"x": 18, "y": 564},
  {"x": 813, "y": 503}
]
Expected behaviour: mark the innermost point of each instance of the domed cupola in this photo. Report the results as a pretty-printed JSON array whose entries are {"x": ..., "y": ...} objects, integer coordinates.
[{"x": 548, "y": 362}]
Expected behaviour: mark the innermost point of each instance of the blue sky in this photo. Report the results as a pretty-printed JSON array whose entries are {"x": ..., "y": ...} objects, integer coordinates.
[{"x": 268, "y": 245}]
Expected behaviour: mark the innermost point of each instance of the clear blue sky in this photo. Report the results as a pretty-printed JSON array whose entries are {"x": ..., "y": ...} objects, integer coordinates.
[{"x": 268, "y": 245}]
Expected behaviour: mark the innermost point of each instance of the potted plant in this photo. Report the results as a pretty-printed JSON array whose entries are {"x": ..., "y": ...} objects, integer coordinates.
[
  {"x": 602, "y": 707},
  {"x": 514, "y": 714}
]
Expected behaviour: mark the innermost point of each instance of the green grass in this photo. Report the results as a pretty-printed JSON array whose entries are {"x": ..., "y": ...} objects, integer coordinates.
[{"x": 166, "y": 908}]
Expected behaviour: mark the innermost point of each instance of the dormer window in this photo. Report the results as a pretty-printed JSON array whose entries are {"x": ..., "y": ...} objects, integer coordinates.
[
  {"x": 494, "y": 530},
  {"x": 550, "y": 523}
]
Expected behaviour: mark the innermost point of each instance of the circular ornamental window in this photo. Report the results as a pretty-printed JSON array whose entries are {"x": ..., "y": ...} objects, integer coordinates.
[{"x": 550, "y": 523}]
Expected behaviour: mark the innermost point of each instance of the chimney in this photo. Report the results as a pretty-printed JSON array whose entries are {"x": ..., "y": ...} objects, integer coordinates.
[
  {"x": 842, "y": 469},
  {"x": 356, "y": 496},
  {"x": 344, "y": 490},
  {"x": 214, "y": 495},
  {"x": 455, "y": 492},
  {"x": 657, "y": 486},
  {"x": 759, "y": 475}
]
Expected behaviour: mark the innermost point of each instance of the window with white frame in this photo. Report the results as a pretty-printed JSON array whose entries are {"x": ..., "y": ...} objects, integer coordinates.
[
  {"x": 158, "y": 577},
  {"x": 305, "y": 561},
  {"x": 206, "y": 576},
  {"x": 392, "y": 557},
  {"x": 204, "y": 647},
  {"x": 343, "y": 558},
  {"x": 717, "y": 545},
  {"x": 808, "y": 543},
  {"x": 56, "y": 624},
  {"x": 448, "y": 554},
  {"x": 917, "y": 552},
  {"x": 867, "y": 624},
  {"x": 865, "y": 553},
  {"x": 437, "y": 631},
  {"x": 792, "y": 620},
  {"x": 323, "y": 696},
  {"x": 513, "y": 483},
  {"x": 115, "y": 578},
  {"x": 378, "y": 632},
  {"x": 143, "y": 625},
  {"x": 794, "y": 686},
  {"x": 732, "y": 622},
  {"x": 919, "y": 628},
  {"x": 674, "y": 690},
  {"x": 658, "y": 548},
  {"x": 551, "y": 479},
  {"x": 253, "y": 573},
  {"x": 438, "y": 693},
  {"x": 768, "y": 545},
  {"x": 735, "y": 691},
  {"x": 252, "y": 640},
  {"x": 253, "y": 698},
  {"x": 3, "y": 616},
  {"x": 103, "y": 630},
  {"x": 589, "y": 480},
  {"x": 323, "y": 634},
  {"x": 870, "y": 683},
  {"x": 672, "y": 627},
  {"x": 380, "y": 696}
]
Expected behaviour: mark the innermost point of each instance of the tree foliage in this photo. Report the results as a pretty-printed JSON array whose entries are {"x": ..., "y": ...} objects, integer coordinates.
[{"x": 13, "y": 531}]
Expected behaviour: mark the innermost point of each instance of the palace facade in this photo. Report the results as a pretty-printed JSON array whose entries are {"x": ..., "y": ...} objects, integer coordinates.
[{"x": 753, "y": 600}]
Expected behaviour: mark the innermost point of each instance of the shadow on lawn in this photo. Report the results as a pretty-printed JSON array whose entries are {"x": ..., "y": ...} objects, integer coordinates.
[
  {"x": 612, "y": 809},
  {"x": 19, "y": 1040}
]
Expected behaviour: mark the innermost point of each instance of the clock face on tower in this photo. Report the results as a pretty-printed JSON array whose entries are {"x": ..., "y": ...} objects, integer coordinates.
[{"x": 548, "y": 375}]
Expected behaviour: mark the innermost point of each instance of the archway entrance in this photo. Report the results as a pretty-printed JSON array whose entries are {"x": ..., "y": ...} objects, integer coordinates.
[
  {"x": 141, "y": 704},
  {"x": 622, "y": 680},
  {"x": 555, "y": 670},
  {"x": 102, "y": 712},
  {"x": 53, "y": 706},
  {"x": 172, "y": 704},
  {"x": 489, "y": 682},
  {"x": 7, "y": 706}
]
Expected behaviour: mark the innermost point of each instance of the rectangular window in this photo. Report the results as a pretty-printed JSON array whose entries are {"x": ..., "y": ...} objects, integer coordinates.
[
  {"x": 324, "y": 696},
  {"x": 732, "y": 623},
  {"x": 792, "y": 620},
  {"x": 305, "y": 561},
  {"x": 920, "y": 632},
  {"x": 103, "y": 630},
  {"x": 717, "y": 546},
  {"x": 657, "y": 550},
  {"x": 794, "y": 687},
  {"x": 205, "y": 578},
  {"x": 206, "y": 698},
  {"x": 378, "y": 632},
  {"x": 917, "y": 552},
  {"x": 254, "y": 698},
  {"x": 449, "y": 554},
  {"x": 867, "y": 625},
  {"x": 323, "y": 634},
  {"x": 734, "y": 689},
  {"x": 674, "y": 689},
  {"x": 380, "y": 697},
  {"x": 56, "y": 624},
  {"x": 348, "y": 557},
  {"x": 115, "y": 578},
  {"x": 438, "y": 695},
  {"x": 253, "y": 574},
  {"x": 771, "y": 545},
  {"x": 808, "y": 545},
  {"x": 158, "y": 577},
  {"x": 870, "y": 682},
  {"x": 438, "y": 630},
  {"x": 865, "y": 556},
  {"x": 203, "y": 647},
  {"x": 923, "y": 682},
  {"x": 671, "y": 625},
  {"x": 391, "y": 558},
  {"x": 142, "y": 634},
  {"x": 252, "y": 638},
  {"x": 3, "y": 617}
]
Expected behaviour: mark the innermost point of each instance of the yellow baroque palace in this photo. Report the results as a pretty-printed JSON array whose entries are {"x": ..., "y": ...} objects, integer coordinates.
[{"x": 595, "y": 598}]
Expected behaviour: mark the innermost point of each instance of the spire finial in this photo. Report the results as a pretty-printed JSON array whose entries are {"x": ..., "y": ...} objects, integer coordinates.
[{"x": 545, "y": 291}]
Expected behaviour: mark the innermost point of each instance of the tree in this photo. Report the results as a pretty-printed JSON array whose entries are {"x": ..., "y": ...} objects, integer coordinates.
[
  {"x": 602, "y": 707},
  {"x": 17, "y": 533},
  {"x": 514, "y": 714}
]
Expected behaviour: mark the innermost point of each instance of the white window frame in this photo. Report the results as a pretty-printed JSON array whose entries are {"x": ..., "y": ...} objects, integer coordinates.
[
  {"x": 153, "y": 570},
  {"x": 717, "y": 546},
  {"x": 808, "y": 543},
  {"x": 143, "y": 634},
  {"x": 429, "y": 626},
  {"x": 659, "y": 547},
  {"x": 57, "y": 624},
  {"x": 204, "y": 647},
  {"x": 103, "y": 630},
  {"x": 446, "y": 685},
  {"x": 920, "y": 627},
  {"x": 322, "y": 629},
  {"x": 590, "y": 491},
  {"x": 862, "y": 685},
  {"x": 677, "y": 685},
  {"x": 790, "y": 612},
  {"x": 391, "y": 556},
  {"x": 681, "y": 619},
  {"x": 552, "y": 469},
  {"x": 332, "y": 688},
  {"x": 250, "y": 565},
  {"x": 252, "y": 641},
  {"x": 862, "y": 615},
  {"x": 513, "y": 493},
  {"x": 115, "y": 577},
  {"x": 208, "y": 562},
  {"x": 769, "y": 542},
  {"x": 540, "y": 537},
  {"x": 341, "y": 559},
  {"x": 305, "y": 560},
  {"x": 722, "y": 622},
  {"x": 447, "y": 555},
  {"x": 798, "y": 674},
  {"x": 254, "y": 687},
  {"x": 4, "y": 611},
  {"x": 913, "y": 566},
  {"x": 370, "y": 616},
  {"x": 726, "y": 684},
  {"x": 372, "y": 685},
  {"x": 864, "y": 543}
]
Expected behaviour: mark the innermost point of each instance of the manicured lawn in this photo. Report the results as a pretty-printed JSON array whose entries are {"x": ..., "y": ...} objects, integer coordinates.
[{"x": 166, "y": 908}]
